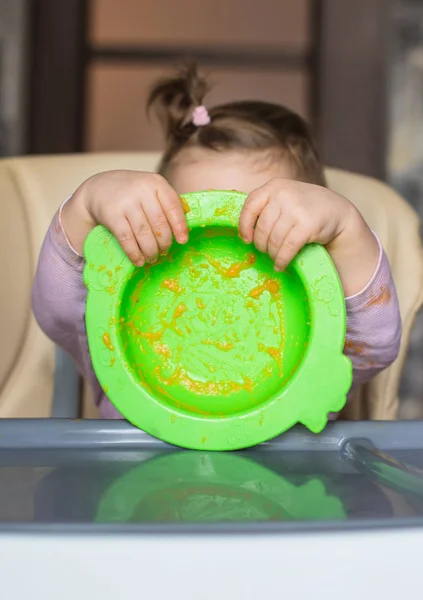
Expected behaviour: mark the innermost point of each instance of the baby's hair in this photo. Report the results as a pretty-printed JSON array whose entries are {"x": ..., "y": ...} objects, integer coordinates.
[{"x": 244, "y": 125}]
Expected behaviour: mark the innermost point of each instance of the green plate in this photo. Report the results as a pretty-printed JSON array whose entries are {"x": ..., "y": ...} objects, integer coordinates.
[
  {"x": 211, "y": 348},
  {"x": 202, "y": 487}
]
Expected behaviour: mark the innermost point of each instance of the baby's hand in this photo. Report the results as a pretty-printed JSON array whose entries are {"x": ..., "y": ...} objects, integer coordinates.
[
  {"x": 282, "y": 216},
  {"x": 141, "y": 209}
]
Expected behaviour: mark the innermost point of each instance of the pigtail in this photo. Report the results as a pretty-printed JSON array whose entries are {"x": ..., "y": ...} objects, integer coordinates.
[{"x": 174, "y": 99}]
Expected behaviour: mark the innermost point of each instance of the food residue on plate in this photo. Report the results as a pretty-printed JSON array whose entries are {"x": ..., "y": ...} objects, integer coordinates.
[
  {"x": 270, "y": 285},
  {"x": 185, "y": 206},
  {"x": 107, "y": 342}
]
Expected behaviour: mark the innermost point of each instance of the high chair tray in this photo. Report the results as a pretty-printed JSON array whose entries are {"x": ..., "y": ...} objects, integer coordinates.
[
  {"x": 90, "y": 502},
  {"x": 108, "y": 475}
]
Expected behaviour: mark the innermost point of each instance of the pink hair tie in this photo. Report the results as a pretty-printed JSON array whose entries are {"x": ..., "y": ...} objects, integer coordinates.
[{"x": 200, "y": 116}]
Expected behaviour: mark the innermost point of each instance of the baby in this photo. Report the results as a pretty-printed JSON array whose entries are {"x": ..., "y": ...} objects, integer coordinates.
[{"x": 262, "y": 149}]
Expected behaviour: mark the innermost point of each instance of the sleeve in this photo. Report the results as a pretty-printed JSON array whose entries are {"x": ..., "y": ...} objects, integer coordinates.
[
  {"x": 373, "y": 324},
  {"x": 59, "y": 292},
  {"x": 58, "y": 301}
]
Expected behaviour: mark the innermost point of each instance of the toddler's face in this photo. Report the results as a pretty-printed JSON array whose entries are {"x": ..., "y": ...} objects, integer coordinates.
[{"x": 196, "y": 169}]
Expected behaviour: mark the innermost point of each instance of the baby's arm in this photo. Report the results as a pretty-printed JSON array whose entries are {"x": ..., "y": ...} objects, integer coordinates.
[
  {"x": 373, "y": 325},
  {"x": 59, "y": 293},
  {"x": 58, "y": 302}
]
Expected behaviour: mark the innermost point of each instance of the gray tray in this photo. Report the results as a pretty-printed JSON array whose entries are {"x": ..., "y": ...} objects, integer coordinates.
[{"x": 68, "y": 475}]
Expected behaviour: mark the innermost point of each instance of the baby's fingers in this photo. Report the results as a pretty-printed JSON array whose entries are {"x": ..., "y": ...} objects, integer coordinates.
[
  {"x": 294, "y": 241},
  {"x": 126, "y": 238},
  {"x": 278, "y": 234},
  {"x": 265, "y": 224},
  {"x": 158, "y": 223},
  {"x": 144, "y": 235},
  {"x": 172, "y": 208},
  {"x": 253, "y": 207}
]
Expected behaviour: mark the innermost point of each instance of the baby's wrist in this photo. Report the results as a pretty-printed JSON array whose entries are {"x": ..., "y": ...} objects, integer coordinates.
[
  {"x": 76, "y": 220},
  {"x": 355, "y": 253},
  {"x": 355, "y": 230},
  {"x": 82, "y": 201}
]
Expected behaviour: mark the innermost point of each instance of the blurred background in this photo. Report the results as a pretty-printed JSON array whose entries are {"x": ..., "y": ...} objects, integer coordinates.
[{"x": 74, "y": 76}]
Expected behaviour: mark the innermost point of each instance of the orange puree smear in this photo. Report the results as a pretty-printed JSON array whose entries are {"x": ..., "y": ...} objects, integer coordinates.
[
  {"x": 214, "y": 232},
  {"x": 248, "y": 384},
  {"x": 274, "y": 353},
  {"x": 154, "y": 336},
  {"x": 270, "y": 285},
  {"x": 172, "y": 285},
  {"x": 225, "y": 346},
  {"x": 162, "y": 349},
  {"x": 220, "y": 212},
  {"x": 235, "y": 269},
  {"x": 179, "y": 311},
  {"x": 185, "y": 205},
  {"x": 107, "y": 342},
  {"x": 204, "y": 388}
]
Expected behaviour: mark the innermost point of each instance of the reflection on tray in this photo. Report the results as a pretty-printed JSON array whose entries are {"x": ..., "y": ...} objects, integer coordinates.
[
  {"x": 212, "y": 487},
  {"x": 385, "y": 468}
]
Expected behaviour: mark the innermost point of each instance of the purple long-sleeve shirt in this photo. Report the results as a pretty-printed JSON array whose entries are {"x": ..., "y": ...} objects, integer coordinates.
[{"x": 59, "y": 296}]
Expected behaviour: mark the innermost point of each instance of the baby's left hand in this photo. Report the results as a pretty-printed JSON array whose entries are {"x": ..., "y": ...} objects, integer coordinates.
[{"x": 283, "y": 215}]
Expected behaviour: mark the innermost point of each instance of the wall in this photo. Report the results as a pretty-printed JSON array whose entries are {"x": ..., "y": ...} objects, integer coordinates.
[
  {"x": 13, "y": 40},
  {"x": 117, "y": 88}
]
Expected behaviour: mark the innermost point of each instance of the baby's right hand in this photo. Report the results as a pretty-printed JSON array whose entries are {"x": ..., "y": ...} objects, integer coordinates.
[{"x": 141, "y": 210}]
